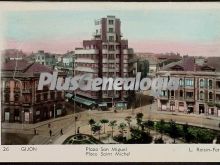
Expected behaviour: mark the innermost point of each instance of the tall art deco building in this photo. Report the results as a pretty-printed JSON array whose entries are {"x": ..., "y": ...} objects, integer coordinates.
[{"x": 105, "y": 55}]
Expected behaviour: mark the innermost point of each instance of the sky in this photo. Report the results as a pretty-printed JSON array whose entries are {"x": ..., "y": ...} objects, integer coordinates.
[{"x": 192, "y": 32}]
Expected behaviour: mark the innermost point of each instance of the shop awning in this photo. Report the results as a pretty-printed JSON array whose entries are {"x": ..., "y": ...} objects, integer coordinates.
[
  {"x": 83, "y": 101},
  {"x": 68, "y": 95},
  {"x": 102, "y": 105}
]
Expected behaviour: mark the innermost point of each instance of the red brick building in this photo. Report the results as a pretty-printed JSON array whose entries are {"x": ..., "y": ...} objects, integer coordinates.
[
  {"x": 21, "y": 101},
  {"x": 106, "y": 55}
]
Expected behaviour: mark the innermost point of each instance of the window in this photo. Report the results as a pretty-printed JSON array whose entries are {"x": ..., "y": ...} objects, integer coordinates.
[
  {"x": 111, "y": 47},
  {"x": 45, "y": 96},
  {"x": 111, "y": 38},
  {"x": 181, "y": 82},
  {"x": 189, "y": 82},
  {"x": 104, "y": 46},
  {"x": 210, "y": 96},
  {"x": 110, "y": 22},
  {"x": 38, "y": 98},
  {"x": 7, "y": 84},
  {"x": 26, "y": 99},
  {"x": 16, "y": 98},
  {"x": 7, "y": 98},
  {"x": 181, "y": 93},
  {"x": 163, "y": 93},
  {"x": 210, "y": 84},
  {"x": 172, "y": 93},
  {"x": 111, "y": 56},
  {"x": 52, "y": 95},
  {"x": 201, "y": 83},
  {"x": 110, "y": 30},
  {"x": 189, "y": 94},
  {"x": 201, "y": 95}
]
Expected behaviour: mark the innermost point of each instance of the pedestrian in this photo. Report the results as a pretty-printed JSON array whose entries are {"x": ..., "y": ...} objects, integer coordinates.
[
  {"x": 48, "y": 125},
  {"x": 35, "y": 131},
  {"x": 50, "y": 132},
  {"x": 61, "y": 131}
]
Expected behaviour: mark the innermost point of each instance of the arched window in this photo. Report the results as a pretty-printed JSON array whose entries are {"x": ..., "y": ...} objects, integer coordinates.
[
  {"x": 181, "y": 93},
  {"x": 201, "y": 95},
  {"x": 201, "y": 83}
]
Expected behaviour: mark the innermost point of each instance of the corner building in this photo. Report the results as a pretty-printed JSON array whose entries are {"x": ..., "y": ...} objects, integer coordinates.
[{"x": 106, "y": 55}]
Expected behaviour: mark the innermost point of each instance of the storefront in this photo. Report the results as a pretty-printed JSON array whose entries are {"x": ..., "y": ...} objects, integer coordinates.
[
  {"x": 121, "y": 105},
  {"x": 82, "y": 102}
]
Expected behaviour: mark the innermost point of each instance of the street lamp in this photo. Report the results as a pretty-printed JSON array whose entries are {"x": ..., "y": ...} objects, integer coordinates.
[
  {"x": 54, "y": 111},
  {"x": 22, "y": 119},
  {"x": 74, "y": 111}
]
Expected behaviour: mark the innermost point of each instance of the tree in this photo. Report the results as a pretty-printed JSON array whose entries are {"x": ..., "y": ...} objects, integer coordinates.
[
  {"x": 148, "y": 124},
  {"x": 96, "y": 128},
  {"x": 139, "y": 118},
  {"x": 121, "y": 128},
  {"x": 173, "y": 130},
  {"x": 104, "y": 121},
  {"x": 113, "y": 124},
  {"x": 128, "y": 120},
  {"x": 91, "y": 123},
  {"x": 186, "y": 134},
  {"x": 160, "y": 126},
  {"x": 139, "y": 137}
]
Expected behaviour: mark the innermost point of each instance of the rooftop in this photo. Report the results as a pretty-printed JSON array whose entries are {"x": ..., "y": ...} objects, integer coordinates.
[{"x": 188, "y": 64}]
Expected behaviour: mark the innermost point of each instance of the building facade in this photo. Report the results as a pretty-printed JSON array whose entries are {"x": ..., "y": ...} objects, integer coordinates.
[
  {"x": 199, "y": 87},
  {"x": 65, "y": 63},
  {"x": 21, "y": 101},
  {"x": 45, "y": 58},
  {"x": 106, "y": 55}
]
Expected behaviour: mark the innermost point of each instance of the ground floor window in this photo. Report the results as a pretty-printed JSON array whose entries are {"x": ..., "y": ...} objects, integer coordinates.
[{"x": 16, "y": 115}]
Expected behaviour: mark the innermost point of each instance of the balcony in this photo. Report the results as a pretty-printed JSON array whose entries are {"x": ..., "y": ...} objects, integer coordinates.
[
  {"x": 128, "y": 51},
  {"x": 110, "y": 70},
  {"x": 189, "y": 99},
  {"x": 105, "y": 60},
  {"x": 163, "y": 97},
  {"x": 86, "y": 60},
  {"x": 86, "y": 69},
  {"x": 86, "y": 51}
]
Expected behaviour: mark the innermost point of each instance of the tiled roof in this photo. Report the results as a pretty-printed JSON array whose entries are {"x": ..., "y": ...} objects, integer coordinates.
[
  {"x": 214, "y": 62},
  {"x": 15, "y": 64},
  {"x": 37, "y": 68},
  {"x": 188, "y": 64},
  {"x": 25, "y": 67}
]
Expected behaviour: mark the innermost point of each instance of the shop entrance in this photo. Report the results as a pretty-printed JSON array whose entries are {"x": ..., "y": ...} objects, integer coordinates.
[{"x": 201, "y": 109}]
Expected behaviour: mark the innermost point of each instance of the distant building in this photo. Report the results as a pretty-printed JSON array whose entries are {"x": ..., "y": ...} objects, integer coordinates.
[
  {"x": 21, "y": 101},
  {"x": 199, "y": 86},
  {"x": 12, "y": 54},
  {"x": 65, "y": 63},
  {"x": 45, "y": 58}
]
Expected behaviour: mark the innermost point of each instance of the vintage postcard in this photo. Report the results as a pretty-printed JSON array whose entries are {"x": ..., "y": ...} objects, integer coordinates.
[{"x": 109, "y": 79}]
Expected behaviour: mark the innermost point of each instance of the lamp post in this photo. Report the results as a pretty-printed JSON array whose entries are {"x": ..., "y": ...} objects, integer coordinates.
[
  {"x": 74, "y": 111},
  {"x": 22, "y": 119},
  {"x": 54, "y": 110}
]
